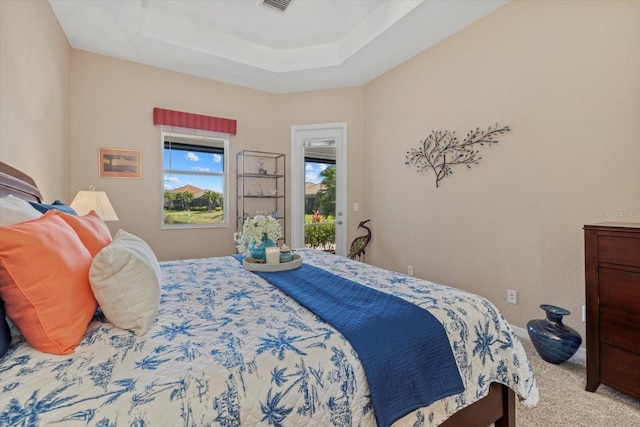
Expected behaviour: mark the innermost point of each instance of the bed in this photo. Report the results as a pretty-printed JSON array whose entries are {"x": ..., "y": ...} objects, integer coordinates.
[{"x": 228, "y": 348}]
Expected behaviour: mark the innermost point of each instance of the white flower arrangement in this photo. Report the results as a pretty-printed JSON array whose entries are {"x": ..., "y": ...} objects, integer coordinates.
[{"x": 254, "y": 230}]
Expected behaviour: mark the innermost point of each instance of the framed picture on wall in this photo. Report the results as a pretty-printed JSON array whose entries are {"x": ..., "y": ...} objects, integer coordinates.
[{"x": 120, "y": 163}]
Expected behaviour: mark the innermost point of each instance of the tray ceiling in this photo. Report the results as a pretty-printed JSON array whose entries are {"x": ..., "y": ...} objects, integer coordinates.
[{"x": 312, "y": 45}]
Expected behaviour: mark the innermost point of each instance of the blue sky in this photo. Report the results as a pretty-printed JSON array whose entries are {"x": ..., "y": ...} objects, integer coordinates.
[
  {"x": 312, "y": 171},
  {"x": 190, "y": 161}
]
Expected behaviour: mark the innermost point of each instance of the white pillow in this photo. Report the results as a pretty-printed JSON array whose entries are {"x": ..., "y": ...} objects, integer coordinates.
[
  {"x": 14, "y": 210},
  {"x": 125, "y": 279}
]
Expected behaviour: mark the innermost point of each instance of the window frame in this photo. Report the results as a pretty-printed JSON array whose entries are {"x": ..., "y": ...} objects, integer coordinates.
[{"x": 197, "y": 138}]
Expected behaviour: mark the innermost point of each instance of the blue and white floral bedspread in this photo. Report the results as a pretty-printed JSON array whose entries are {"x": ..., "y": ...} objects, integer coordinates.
[{"x": 229, "y": 349}]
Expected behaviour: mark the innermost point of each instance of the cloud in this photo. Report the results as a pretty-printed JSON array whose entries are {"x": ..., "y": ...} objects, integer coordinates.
[
  {"x": 171, "y": 182},
  {"x": 309, "y": 167},
  {"x": 192, "y": 157},
  {"x": 200, "y": 169},
  {"x": 217, "y": 158}
]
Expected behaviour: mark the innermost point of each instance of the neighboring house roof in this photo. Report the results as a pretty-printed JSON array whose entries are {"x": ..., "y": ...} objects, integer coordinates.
[
  {"x": 311, "y": 189},
  {"x": 197, "y": 192}
]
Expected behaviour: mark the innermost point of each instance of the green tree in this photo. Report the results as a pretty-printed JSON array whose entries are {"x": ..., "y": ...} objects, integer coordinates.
[
  {"x": 184, "y": 198},
  {"x": 179, "y": 202},
  {"x": 168, "y": 198},
  {"x": 326, "y": 197},
  {"x": 213, "y": 198}
]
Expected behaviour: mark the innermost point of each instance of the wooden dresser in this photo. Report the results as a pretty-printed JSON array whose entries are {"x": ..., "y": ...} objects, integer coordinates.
[{"x": 612, "y": 276}]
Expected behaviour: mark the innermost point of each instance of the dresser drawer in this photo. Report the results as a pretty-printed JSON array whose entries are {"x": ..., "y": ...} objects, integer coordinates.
[
  {"x": 612, "y": 294},
  {"x": 620, "y": 328},
  {"x": 619, "y": 250},
  {"x": 619, "y": 289},
  {"x": 620, "y": 369}
]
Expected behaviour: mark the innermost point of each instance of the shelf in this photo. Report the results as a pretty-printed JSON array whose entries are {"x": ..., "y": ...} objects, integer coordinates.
[
  {"x": 260, "y": 175},
  {"x": 264, "y": 175},
  {"x": 278, "y": 218}
]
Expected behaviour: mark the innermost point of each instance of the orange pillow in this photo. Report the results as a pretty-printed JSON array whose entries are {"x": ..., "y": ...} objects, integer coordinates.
[
  {"x": 91, "y": 229},
  {"x": 44, "y": 282}
]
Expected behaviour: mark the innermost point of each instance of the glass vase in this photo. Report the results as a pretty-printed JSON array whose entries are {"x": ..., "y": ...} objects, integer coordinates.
[
  {"x": 554, "y": 341},
  {"x": 258, "y": 252}
]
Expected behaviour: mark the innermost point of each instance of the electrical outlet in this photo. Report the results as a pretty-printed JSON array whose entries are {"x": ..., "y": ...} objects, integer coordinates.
[
  {"x": 584, "y": 313},
  {"x": 512, "y": 296},
  {"x": 410, "y": 270}
]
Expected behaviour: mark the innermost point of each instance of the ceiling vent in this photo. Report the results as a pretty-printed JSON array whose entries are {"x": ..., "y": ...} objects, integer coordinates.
[{"x": 279, "y": 5}]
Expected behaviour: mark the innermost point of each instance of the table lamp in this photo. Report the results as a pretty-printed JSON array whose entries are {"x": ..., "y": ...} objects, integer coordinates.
[{"x": 92, "y": 200}]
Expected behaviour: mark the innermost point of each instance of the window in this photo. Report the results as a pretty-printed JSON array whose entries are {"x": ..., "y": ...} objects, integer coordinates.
[
  {"x": 194, "y": 180},
  {"x": 319, "y": 181},
  {"x": 320, "y": 203}
]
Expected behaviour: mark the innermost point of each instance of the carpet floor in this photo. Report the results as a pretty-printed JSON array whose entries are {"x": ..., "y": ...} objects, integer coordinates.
[{"x": 565, "y": 403}]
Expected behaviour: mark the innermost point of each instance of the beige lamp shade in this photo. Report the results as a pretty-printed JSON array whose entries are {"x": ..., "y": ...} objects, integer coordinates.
[{"x": 92, "y": 200}]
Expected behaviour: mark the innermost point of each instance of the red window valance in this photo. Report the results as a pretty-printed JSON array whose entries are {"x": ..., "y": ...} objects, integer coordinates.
[{"x": 193, "y": 121}]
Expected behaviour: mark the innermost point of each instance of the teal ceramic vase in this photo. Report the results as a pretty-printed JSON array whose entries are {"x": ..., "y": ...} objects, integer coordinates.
[{"x": 286, "y": 256}]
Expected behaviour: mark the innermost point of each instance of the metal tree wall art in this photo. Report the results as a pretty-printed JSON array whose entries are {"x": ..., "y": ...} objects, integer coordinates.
[{"x": 442, "y": 149}]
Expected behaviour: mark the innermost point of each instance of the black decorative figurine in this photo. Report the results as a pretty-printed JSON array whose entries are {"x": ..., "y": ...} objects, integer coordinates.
[
  {"x": 554, "y": 341},
  {"x": 359, "y": 243}
]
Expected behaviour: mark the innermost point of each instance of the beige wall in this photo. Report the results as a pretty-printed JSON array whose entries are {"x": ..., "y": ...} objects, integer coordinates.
[
  {"x": 565, "y": 76},
  {"x": 34, "y": 95},
  {"x": 111, "y": 105}
]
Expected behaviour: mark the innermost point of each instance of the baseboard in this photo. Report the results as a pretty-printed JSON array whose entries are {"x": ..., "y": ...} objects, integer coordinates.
[{"x": 579, "y": 357}]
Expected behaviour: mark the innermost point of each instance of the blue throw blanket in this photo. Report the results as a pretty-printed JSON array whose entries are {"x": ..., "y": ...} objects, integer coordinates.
[{"x": 404, "y": 350}]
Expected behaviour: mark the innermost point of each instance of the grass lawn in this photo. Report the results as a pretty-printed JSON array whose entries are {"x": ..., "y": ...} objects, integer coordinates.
[
  {"x": 204, "y": 217},
  {"x": 192, "y": 217}
]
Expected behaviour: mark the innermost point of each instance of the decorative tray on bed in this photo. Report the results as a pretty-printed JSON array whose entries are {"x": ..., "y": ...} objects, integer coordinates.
[{"x": 251, "y": 265}]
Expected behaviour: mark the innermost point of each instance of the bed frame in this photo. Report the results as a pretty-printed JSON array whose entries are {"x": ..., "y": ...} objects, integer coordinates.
[
  {"x": 497, "y": 407},
  {"x": 17, "y": 183}
]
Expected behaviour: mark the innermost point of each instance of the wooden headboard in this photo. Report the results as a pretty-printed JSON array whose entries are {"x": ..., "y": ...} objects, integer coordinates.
[{"x": 18, "y": 183}]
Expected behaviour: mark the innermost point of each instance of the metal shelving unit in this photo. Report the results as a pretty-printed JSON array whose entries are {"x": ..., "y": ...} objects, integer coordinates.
[{"x": 261, "y": 186}]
